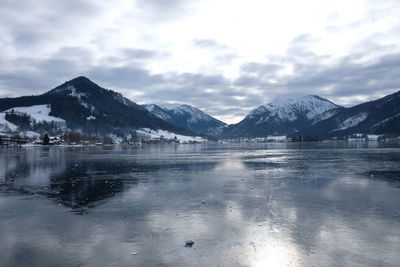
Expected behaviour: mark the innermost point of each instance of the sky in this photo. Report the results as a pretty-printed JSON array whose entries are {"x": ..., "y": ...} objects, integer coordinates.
[{"x": 225, "y": 57}]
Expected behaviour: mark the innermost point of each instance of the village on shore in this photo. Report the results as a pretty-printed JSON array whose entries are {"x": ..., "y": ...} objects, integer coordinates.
[{"x": 147, "y": 136}]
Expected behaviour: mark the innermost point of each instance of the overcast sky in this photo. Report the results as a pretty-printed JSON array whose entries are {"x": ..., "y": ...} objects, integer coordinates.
[{"x": 224, "y": 56}]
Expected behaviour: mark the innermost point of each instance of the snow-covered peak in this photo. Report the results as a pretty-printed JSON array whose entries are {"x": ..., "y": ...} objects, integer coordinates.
[
  {"x": 281, "y": 101},
  {"x": 149, "y": 107},
  {"x": 260, "y": 110},
  {"x": 169, "y": 106},
  {"x": 194, "y": 114},
  {"x": 285, "y": 108},
  {"x": 187, "y": 109},
  {"x": 186, "y": 116},
  {"x": 313, "y": 105},
  {"x": 157, "y": 111}
]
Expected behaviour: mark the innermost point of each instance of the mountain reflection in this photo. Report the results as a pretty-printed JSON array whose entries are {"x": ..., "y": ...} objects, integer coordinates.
[
  {"x": 243, "y": 206},
  {"x": 77, "y": 180}
]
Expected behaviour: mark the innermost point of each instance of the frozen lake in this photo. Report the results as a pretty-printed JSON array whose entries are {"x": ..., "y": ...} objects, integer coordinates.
[{"x": 327, "y": 204}]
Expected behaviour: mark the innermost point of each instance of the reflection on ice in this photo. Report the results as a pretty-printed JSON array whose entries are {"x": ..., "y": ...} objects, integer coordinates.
[{"x": 266, "y": 205}]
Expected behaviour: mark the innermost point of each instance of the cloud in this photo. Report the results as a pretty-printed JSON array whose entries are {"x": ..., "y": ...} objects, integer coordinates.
[
  {"x": 159, "y": 11},
  {"x": 227, "y": 61},
  {"x": 161, "y": 5},
  {"x": 346, "y": 78},
  {"x": 36, "y": 75},
  {"x": 45, "y": 22},
  {"x": 254, "y": 67},
  {"x": 226, "y": 58},
  {"x": 138, "y": 53},
  {"x": 302, "y": 39},
  {"x": 216, "y": 93},
  {"x": 125, "y": 77},
  {"x": 208, "y": 44},
  {"x": 71, "y": 52}
]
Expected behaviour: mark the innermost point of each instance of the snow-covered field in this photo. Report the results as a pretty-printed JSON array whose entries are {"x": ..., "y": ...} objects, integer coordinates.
[
  {"x": 373, "y": 137},
  {"x": 30, "y": 134},
  {"x": 270, "y": 138},
  {"x": 38, "y": 113},
  {"x": 5, "y": 125},
  {"x": 279, "y": 138},
  {"x": 364, "y": 137},
  {"x": 162, "y": 134}
]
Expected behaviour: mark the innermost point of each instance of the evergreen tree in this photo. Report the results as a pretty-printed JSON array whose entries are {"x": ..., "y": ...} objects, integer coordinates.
[
  {"x": 46, "y": 139},
  {"x": 1, "y": 141}
]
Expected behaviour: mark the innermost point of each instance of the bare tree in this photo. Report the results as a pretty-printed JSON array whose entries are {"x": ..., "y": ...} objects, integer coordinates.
[{"x": 46, "y": 139}]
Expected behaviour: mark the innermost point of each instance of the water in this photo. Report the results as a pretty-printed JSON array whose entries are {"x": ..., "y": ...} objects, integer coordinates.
[{"x": 243, "y": 205}]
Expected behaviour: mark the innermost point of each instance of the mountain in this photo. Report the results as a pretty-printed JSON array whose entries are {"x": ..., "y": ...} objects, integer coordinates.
[
  {"x": 283, "y": 116},
  {"x": 81, "y": 105},
  {"x": 381, "y": 116},
  {"x": 188, "y": 117}
]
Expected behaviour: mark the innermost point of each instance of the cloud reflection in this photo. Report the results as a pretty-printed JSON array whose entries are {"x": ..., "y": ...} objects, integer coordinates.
[{"x": 235, "y": 202}]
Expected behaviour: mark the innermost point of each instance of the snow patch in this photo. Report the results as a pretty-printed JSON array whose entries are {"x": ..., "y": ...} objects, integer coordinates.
[
  {"x": 386, "y": 120},
  {"x": 30, "y": 134},
  {"x": 352, "y": 121},
  {"x": 120, "y": 98},
  {"x": 260, "y": 120},
  {"x": 79, "y": 95}
]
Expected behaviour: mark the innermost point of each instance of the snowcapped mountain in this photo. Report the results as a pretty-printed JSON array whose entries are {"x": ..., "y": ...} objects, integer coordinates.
[
  {"x": 188, "y": 117},
  {"x": 288, "y": 109},
  {"x": 83, "y": 106},
  {"x": 283, "y": 116},
  {"x": 381, "y": 116},
  {"x": 159, "y": 112}
]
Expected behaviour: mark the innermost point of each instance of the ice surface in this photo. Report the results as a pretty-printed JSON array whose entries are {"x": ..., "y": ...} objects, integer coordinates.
[{"x": 311, "y": 204}]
